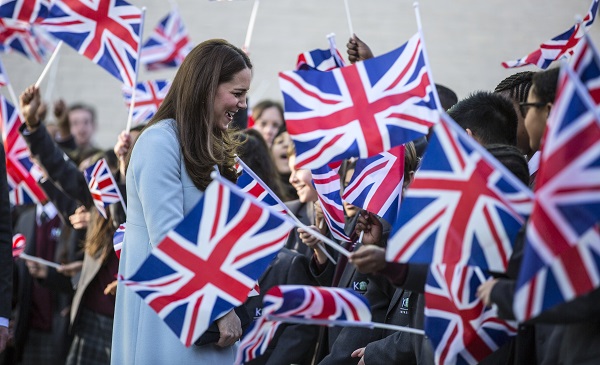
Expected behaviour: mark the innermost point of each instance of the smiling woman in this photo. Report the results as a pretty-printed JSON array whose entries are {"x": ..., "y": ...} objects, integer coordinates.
[{"x": 169, "y": 167}]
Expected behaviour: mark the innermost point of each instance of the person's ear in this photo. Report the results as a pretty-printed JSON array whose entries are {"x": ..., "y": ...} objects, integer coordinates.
[
  {"x": 469, "y": 132},
  {"x": 549, "y": 106}
]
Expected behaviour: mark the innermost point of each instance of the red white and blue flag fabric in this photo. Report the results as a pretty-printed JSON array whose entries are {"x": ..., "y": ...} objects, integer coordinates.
[
  {"x": 21, "y": 173},
  {"x": 17, "y": 35},
  {"x": 168, "y": 44},
  {"x": 18, "y": 244},
  {"x": 462, "y": 207},
  {"x": 319, "y": 59},
  {"x": 586, "y": 64},
  {"x": 359, "y": 110},
  {"x": 105, "y": 31},
  {"x": 562, "y": 45},
  {"x": 319, "y": 305},
  {"x": 252, "y": 184},
  {"x": 558, "y": 263},
  {"x": 461, "y": 329},
  {"x": 207, "y": 265},
  {"x": 102, "y": 186},
  {"x": 376, "y": 185},
  {"x": 148, "y": 97},
  {"x": 328, "y": 186},
  {"x": 29, "y": 11},
  {"x": 118, "y": 237}
]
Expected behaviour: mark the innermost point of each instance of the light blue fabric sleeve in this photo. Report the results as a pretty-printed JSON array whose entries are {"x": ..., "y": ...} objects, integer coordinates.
[{"x": 156, "y": 164}]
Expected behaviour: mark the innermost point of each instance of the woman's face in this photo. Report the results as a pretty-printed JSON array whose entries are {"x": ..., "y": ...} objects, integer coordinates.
[
  {"x": 279, "y": 152},
  {"x": 268, "y": 123},
  {"x": 301, "y": 180},
  {"x": 350, "y": 209},
  {"x": 231, "y": 97},
  {"x": 535, "y": 120}
]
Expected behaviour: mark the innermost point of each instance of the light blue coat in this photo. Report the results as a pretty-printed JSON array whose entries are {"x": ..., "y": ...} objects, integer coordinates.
[{"x": 159, "y": 194}]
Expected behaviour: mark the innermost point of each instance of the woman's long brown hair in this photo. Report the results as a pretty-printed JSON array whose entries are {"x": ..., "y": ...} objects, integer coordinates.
[{"x": 190, "y": 101}]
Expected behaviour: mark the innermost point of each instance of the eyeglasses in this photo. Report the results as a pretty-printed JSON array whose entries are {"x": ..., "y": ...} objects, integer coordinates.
[{"x": 524, "y": 107}]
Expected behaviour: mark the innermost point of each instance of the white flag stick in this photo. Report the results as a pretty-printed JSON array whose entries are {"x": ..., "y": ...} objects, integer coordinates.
[
  {"x": 349, "y": 18},
  {"x": 137, "y": 71},
  {"x": 322, "y": 322},
  {"x": 50, "y": 61},
  {"x": 39, "y": 260},
  {"x": 52, "y": 79},
  {"x": 251, "y": 26}
]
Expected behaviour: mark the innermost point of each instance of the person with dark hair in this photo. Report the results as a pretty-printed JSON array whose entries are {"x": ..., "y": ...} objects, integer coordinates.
[
  {"x": 268, "y": 118},
  {"x": 448, "y": 98},
  {"x": 169, "y": 168},
  {"x": 516, "y": 87},
  {"x": 512, "y": 158},
  {"x": 539, "y": 103},
  {"x": 254, "y": 152},
  {"x": 487, "y": 117},
  {"x": 6, "y": 263},
  {"x": 279, "y": 148},
  {"x": 76, "y": 126}
]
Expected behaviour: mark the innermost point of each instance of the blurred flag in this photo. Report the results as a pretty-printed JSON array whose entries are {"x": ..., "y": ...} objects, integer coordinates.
[
  {"x": 562, "y": 249},
  {"x": 118, "y": 239},
  {"x": 560, "y": 46},
  {"x": 168, "y": 44},
  {"x": 328, "y": 186},
  {"x": 18, "y": 245},
  {"x": 461, "y": 328},
  {"x": 21, "y": 173},
  {"x": 102, "y": 186},
  {"x": 148, "y": 97}
]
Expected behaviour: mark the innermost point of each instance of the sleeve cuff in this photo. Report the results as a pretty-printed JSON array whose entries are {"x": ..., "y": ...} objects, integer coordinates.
[{"x": 3, "y": 322}]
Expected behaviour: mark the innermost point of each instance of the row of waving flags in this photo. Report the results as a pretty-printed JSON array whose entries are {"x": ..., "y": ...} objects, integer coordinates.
[{"x": 461, "y": 214}]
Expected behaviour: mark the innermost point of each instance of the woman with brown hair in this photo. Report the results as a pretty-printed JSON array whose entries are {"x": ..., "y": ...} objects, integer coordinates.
[{"x": 169, "y": 167}]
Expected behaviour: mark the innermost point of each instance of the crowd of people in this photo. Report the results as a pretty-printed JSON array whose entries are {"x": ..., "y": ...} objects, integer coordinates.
[{"x": 81, "y": 314}]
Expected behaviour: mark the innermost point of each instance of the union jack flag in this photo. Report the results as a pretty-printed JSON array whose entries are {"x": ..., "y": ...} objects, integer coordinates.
[
  {"x": 359, "y": 110},
  {"x": 321, "y": 59},
  {"x": 118, "y": 239},
  {"x": 148, "y": 97},
  {"x": 29, "y": 11},
  {"x": 327, "y": 184},
  {"x": 168, "y": 44},
  {"x": 45, "y": 41},
  {"x": 562, "y": 45},
  {"x": 250, "y": 183},
  {"x": 558, "y": 264},
  {"x": 460, "y": 327},
  {"x": 376, "y": 185},
  {"x": 102, "y": 186},
  {"x": 586, "y": 64},
  {"x": 463, "y": 206},
  {"x": 17, "y": 35},
  {"x": 18, "y": 244},
  {"x": 105, "y": 31},
  {"x": 314, "y": 304},
  {"x": 21, "y": 173},
  {"x": 209, "y": 262}
]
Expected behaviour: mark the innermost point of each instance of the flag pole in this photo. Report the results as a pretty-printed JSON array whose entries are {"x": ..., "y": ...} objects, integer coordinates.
[
  {"x": 50, "y": 61},
  {"x": 137, "y": 71},
  {"x": 52, "y": 79},
  {"x": 39, "y": 260},
  {"x": 214, "y": 175},
  {"x": 249, "y": 171},
  {"x": 420, "y": 29},
  {"x": 349, "y": 18},
  {"x": 323, "y": 322},
  {"x": 246, "y": 47}
]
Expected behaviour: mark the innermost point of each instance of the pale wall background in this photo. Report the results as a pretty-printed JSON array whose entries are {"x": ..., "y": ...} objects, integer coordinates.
[{"x": 466, "y": 41}]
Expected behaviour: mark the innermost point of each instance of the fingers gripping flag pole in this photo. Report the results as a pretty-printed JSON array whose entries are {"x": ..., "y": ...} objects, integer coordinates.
[
  {"x": 298, "y": 224},
  {"x": 137, "y": 71}
]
